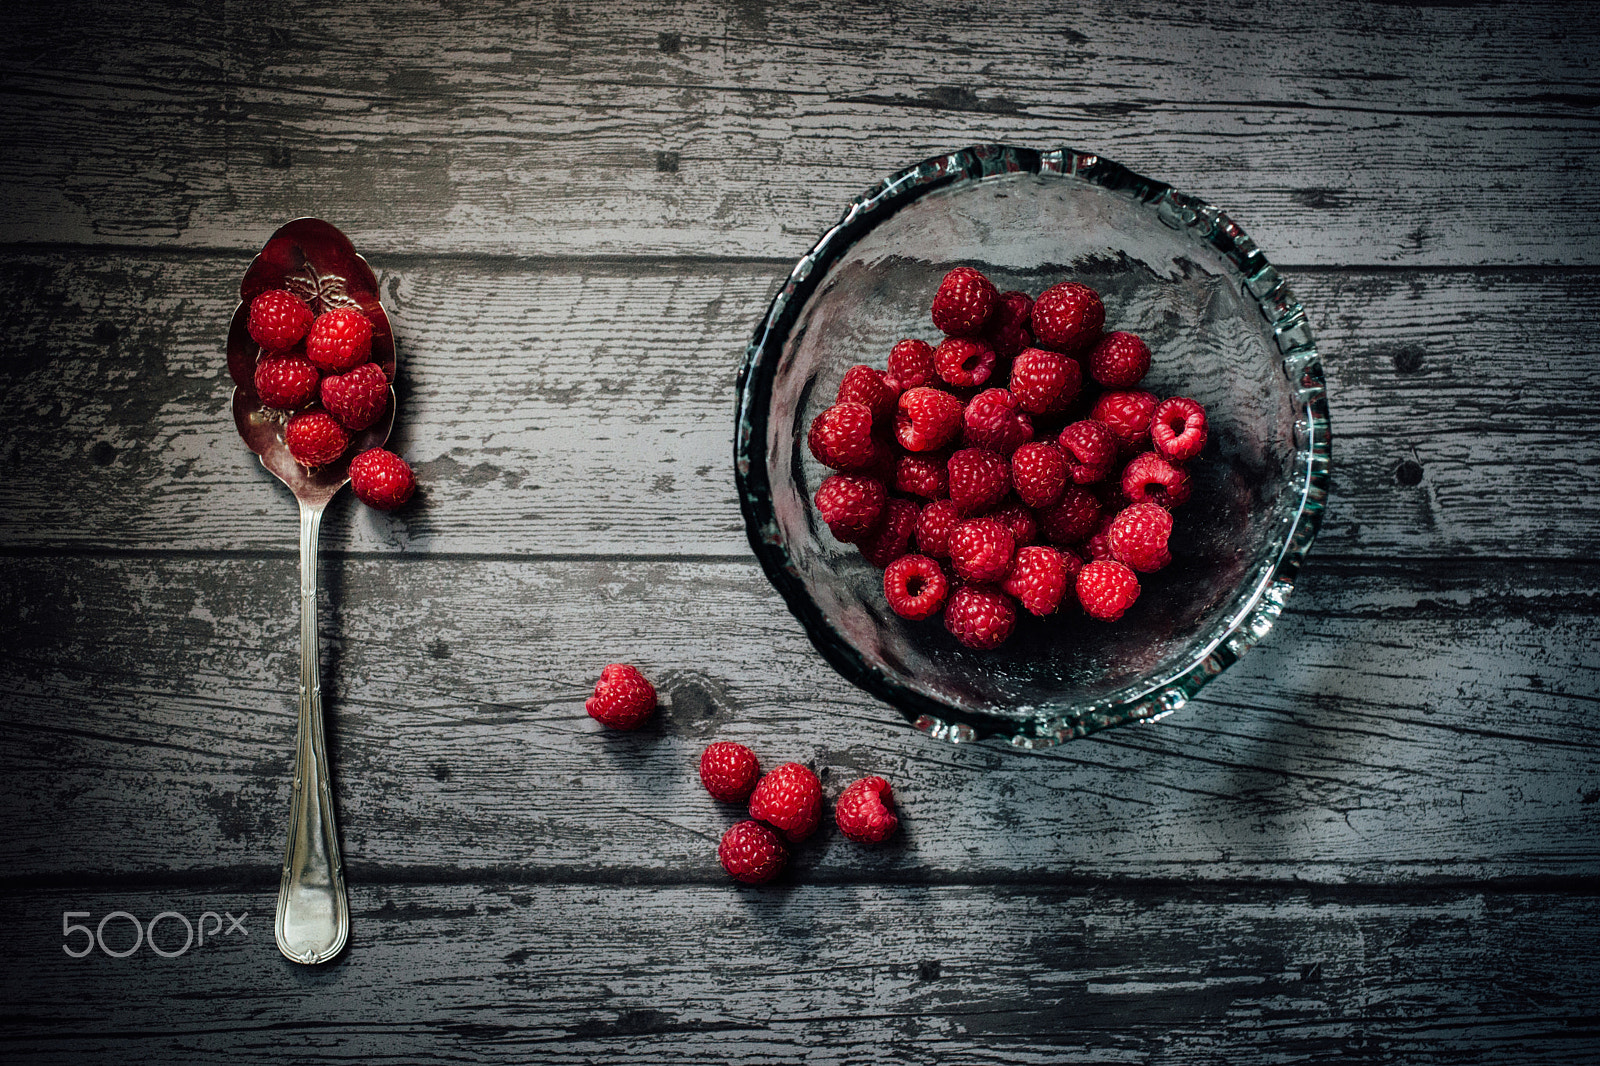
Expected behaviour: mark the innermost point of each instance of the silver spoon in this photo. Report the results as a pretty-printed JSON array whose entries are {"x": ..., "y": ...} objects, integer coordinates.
[{"x": 313, "y": 259}]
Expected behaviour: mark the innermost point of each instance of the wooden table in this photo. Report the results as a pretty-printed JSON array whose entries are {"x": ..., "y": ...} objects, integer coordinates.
[{"x": 1375, "y": 838}]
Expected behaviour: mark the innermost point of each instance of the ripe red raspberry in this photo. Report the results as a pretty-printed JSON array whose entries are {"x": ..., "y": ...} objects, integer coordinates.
[
  {"x": 979, "y": 479},
  {"x": 278, "y": 319},
  {"x": 981, "y": 550},
  {"x": 622, "y": 698},
  {"x": 980, "y": 617},
  {"x": 1150, "y": 477},
  {"x": 1106, "y": 589},
  {"x": 1007, "y": 331},
  {"x": 964, "y": 362},
  {"x": 1071, "y": 561},
  {"x": 1120, "y": 360},
  {"x": 1178, "y": 429},
  {"x": 927, "y": 419},
  {"x": 934, "y": 526},
  {"x": 911, "y": 365},
  {"x": 1126, "y": 414},
  {"x": 1045, "y": 382},
  {"x": 866, "y": 385},
  {"x": 789, "y": 799},
  {"x": 915, "y": 587},
  {"x": 992, "y": 420},
  {"x": 315, "y": 438},
  {"x": 892, "y": 538},
  {"x": 1138, "y": 537},
  {"x": 285, "y": 382},
  {"x": 339, "y": 339},
  {"x": 356, "y": 399},
  {"x": 1072, "y": 518},
  {"x": 1020, "y": 520},
  {"x": 841, "y": 437},
  {"x": 922, "y": 475},
  {"x": 863, "y": 811},
  {"x": 851, "y": 505},
  {"x": 752, "y": 853},
  {"x": 381, "y": 479},
  {"x": 729, "y": 771},
  {"x": 1039, "y": 473},
  {"x": 1067, "y": 317},
  {"x": 1091, "y": 450},
  {"x": 1038, "y": 579},
  {"x": 964, "y": 302},
  {"x": 1098, "y": 546}
]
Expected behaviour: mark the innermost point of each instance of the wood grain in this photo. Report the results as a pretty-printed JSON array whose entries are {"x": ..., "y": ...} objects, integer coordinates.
[
  {"x": 744, "y": 129},
  {"x": 1401, "y": 724},
  {"x": 553, "y": 407}
]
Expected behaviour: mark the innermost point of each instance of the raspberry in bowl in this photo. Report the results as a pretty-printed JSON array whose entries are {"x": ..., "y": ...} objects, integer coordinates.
[{"x": 1106, "y": 284}]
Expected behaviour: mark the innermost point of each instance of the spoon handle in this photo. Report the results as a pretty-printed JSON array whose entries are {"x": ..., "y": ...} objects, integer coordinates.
[{"x": 313, "y": 914}]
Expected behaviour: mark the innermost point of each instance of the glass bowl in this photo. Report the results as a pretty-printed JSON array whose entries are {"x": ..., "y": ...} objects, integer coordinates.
[{"x": 1224, "y": 329}]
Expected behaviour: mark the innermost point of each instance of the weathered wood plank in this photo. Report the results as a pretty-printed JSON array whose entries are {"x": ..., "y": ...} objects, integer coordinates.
[
  {"x": 743, "y": 129},
  {"x": 553, "y": 407},
  {"x": 556, "y": 973},
  {"x": 1400, "y": 725}
]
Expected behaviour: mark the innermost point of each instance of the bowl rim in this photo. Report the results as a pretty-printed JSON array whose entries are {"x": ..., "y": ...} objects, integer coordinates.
[{"x": 1261, "y": 285}]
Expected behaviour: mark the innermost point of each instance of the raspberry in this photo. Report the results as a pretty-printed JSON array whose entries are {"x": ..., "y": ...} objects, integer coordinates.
[
  {"x": 1120, "y": 360},
  {"x": 1066, "y": 317},
  {"x": 1072, "y": 518},
  {"x": 622, "y": 698},
  {"x": 922, "y": 475},
  {"x": 1039, "y": 473},
  {"x": 841, "y": 437},
  {"x": 915, "y": 587},
  {"x": 789, "y": 799},
  {"x": 863, "y": 811},
  {"x": 1127, "y": 415},
  {"x": 381, "y": 479},
  {"x": 315, "y": 439},
  {"x": 981, "y": 550},
  {"x": 1007, "y": 331},
  {"x": 964, "y": 302},
  {"x": 1150, "y": 477},
  {"x": 339, "y": 339},
  {"x": 964, "y": 362},
  {"x": 1071, "y": 562},
  {"x": 865, "y": 385},
  {"x": 1106, "y": 589},
  {"x": 934, "y": 526},
  {"x": 911, "y": 365},
  {"x": 979, "y": 479},
  {"x": 980, "y": 617},
  {"x": 991, "y": 420},
  {"x": 278, "y": 319},
  {"x": 1138, "y": 536},
  {"x": 1038, "y": 579},
  {"x": 356, "y": 399},
  {"x": 729, "y": 771},
  {"x": 1097, "y": 546},
  {"x": 851, "y": 505},
  {"x": 1045, "y": 382},
  {"x": 892, "y": 538},
  {"x": 1178, "y": 429},
  {"x": 752, "y": 853},
  {"x": 1091, "y": 450},
  {"x": 927, "y": 419},
  {"x": 285, "y": 382},
  {"x": 1020, "y": 520}
]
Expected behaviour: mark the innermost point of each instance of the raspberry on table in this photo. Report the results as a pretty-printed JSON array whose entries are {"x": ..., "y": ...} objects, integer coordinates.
[
  {"x": 867, "y": 385},
  {"x": 979, "y": 616},
  {"x": 789, "y": 799},
  {"x": 278, "y": 319},
  {"x": 1091, "y": 450},
  {"x": 964, "y": 302},
  {"x": 357, "y": 398},
  {"x": 1045, "y": 382},
  {"x": 1071, "y": 519},
  {"x": 981, "y": 550},
  {"x": 1021, "y": 520},
  {"x": 1127, "y": 414},
  {"x": 1107, "y": 588},
  {"x": 911, "y": 365},
  {"x": 339, "y": 339},
  {"x": 851, "y": 505},
  {"x": 841, "y": 437},
  {"x": 1120, "y": 360},
  {"x": 729, "y": 771},
  {"x": 1007, "y": 331},
  {"x": 992, "y": 420},
  {"x": 1067, "y": 317},
  {"x": 922, "y": 475},
  {"x": 1039, "y": 473},
  {"x": 622, "y": 698},
  {"x": 927, "y": 419},
  {"x": 1038, "y": 579},
  {"x": 1138, "y": 536},
  {"x": 1178, "y": 429},
  {"x": 285, "y": 382},
  {"x": 752, "y": 853},
  {"x": 915, "y": 587},
  {"x": 979, "y": 479},
  {"x": 1150, "y": 477},
  {"x": 862, "y": 811},
  {"x": 381, "y": 479},
  {"x": 937, "y": 521},
  {"x": 892, "y": 538},
  {"x": 315, "y": 438},
  {"x": 963, "y": 362}
]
